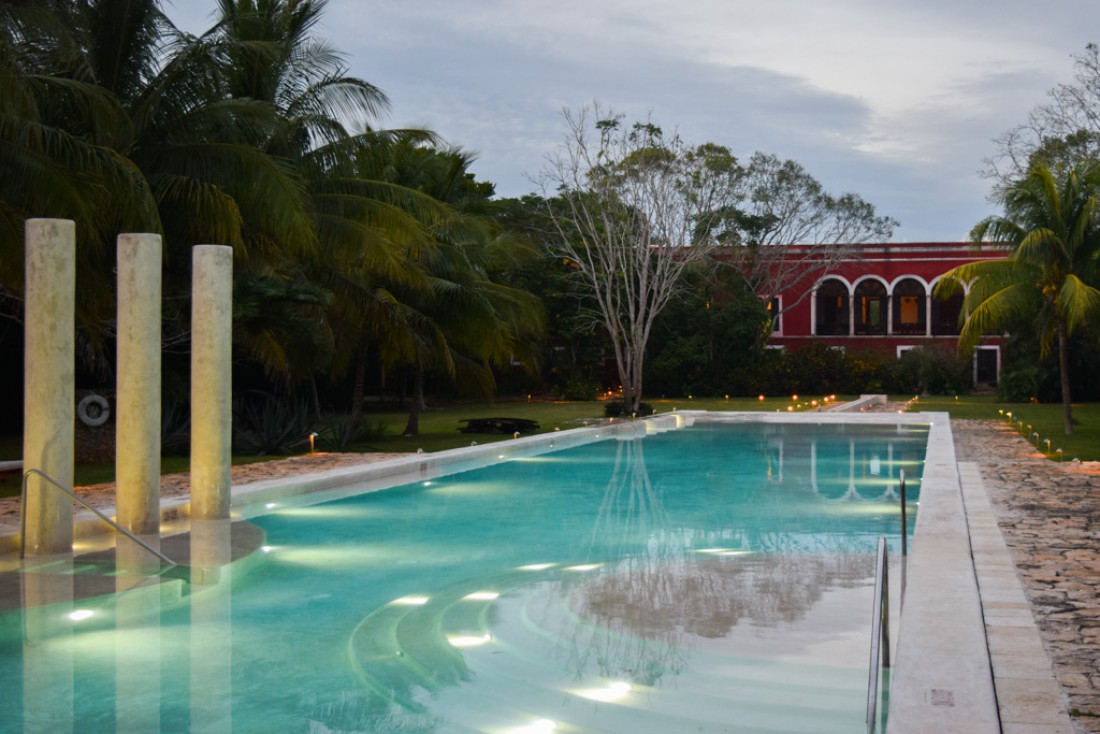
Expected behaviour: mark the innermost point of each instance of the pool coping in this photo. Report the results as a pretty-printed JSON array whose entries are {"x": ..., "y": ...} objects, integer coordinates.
[{"x": 942, "y": 678}]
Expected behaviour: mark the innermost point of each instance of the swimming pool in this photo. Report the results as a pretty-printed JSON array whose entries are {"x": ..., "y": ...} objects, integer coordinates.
[{"x": 714, "y": 578}]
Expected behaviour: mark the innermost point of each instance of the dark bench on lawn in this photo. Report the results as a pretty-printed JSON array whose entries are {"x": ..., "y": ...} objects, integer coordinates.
[{"x": 498, "y": 425}]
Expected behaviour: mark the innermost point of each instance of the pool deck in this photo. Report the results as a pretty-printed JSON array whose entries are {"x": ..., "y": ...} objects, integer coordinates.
[{"x": 1001, "y": 628}]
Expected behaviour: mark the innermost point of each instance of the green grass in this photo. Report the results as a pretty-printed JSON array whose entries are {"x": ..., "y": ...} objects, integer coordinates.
[
  {"x": 1044, "y": 419},
  {"x": 439, "y": 426}
]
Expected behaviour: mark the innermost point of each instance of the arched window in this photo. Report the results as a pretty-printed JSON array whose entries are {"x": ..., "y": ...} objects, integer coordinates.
[
  {"x": 775, "y": 307},
  {"x": 870, "y": 308},
  {"x": 910, "y": 307},
  {"x": 832, "y": 308},
  {"x": 945, "y": 315}
]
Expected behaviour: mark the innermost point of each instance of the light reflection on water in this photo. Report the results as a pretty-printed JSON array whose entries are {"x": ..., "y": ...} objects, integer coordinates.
[{"x": 692, "y": 579}]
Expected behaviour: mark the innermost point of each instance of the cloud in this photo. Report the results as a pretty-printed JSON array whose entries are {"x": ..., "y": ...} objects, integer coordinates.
[{"x": 896, "y": 101}]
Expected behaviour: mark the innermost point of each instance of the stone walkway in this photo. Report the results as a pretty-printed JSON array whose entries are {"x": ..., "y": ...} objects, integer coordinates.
[
  {"x": 1049, "y": 516},
  {"x": 102, "y": 496}
]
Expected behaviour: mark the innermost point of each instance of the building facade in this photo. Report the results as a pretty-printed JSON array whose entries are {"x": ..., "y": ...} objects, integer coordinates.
[{"x": 880, "y": 298}]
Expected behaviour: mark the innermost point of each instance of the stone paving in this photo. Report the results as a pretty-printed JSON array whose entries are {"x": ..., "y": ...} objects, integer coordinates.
[
  {"x": 1049, "y": 516},
  {"x": 102, "y": 496}
]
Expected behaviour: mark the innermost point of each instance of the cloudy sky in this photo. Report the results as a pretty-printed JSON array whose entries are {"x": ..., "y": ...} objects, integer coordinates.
[{"x": 896, "y": 101}]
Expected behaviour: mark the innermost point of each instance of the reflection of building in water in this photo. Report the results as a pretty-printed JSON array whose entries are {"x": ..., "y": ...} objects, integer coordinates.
[
  {"x": 845, "y": 467},
  {"x": 631, "y": 619}
]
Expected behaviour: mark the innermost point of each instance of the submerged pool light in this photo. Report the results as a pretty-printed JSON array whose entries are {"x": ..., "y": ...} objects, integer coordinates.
[
  {"x": 542, "y": 726},
  {"x": 79, "y": 614},
  {"x": 615, "y": 691},
  {"x": 482, "y": 596},
  {"x": 469, "y": 640},
  {"x": 410, "y": 601}
]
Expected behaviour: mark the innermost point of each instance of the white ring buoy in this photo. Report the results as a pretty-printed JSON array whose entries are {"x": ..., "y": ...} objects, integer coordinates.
[{"x": 93, "y": 410}]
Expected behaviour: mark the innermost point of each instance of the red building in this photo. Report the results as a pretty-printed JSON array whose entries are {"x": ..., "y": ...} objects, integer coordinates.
[{"x": 880, "y": 298}]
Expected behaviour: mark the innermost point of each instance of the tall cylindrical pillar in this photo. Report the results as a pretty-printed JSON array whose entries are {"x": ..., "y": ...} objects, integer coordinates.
[
  {"x": 211, "y": 372},
  {"x": 49, "y": 393},
  {"x": 137, "y": 425}
]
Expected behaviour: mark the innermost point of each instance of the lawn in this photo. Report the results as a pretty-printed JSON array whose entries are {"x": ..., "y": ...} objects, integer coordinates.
[
  {"x": 439, "y": 426},
  {"x": 1042, "y": 418}
]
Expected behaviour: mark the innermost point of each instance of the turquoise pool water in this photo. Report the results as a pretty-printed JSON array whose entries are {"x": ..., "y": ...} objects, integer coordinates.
[{"x": 711, "y": 579}]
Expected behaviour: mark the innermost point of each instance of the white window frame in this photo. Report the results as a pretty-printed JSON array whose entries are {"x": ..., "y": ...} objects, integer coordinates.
[{"x": 986, "y": 347}]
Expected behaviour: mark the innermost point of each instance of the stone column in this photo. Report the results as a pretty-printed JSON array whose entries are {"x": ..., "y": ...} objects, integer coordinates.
[
  {"x": 49, "y": 393},
  {"x": 211, "y": 626},
  {"x": 137, "y": 425},
  {"x": 211, "y": 373}
]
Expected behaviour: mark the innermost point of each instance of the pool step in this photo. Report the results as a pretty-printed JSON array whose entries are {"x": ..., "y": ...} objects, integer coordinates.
[{"x": 530, "y": 658}]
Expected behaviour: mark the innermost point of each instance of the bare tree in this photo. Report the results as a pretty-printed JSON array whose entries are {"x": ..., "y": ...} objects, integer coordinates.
[
  {"x": 635, "y": 208},
  {"x": 1062, "y": 130},
  {"x": 783, "y": 230},
  {"x": 627, "y": 202}
]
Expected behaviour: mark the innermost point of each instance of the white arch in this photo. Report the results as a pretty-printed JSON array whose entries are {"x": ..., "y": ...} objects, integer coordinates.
[
  {"x": 922, "y": 281},
  {"x": 841, "y": 278},
  {"x": 926, "y": 296},
  {"x": 938, "y": 278},
  {"x": 813, "y": 300},
  {"x": 871, "y": 276}
]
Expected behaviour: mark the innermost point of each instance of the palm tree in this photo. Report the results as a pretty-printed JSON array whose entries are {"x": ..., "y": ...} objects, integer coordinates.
[
  {"x": 1051, "y": 225},
  {"x": 58, "y": 129},
  {"x": 470, "y": 320}
]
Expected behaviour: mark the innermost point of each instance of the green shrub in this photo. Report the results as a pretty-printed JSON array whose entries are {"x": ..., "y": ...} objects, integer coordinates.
[
  {"x": 264, "y": 424},
  {"x": 175, "y": 429},
  {"x": 619, "y": 409},
  {"x": 340, "y": 432},
  {"x": 1021, "y": 383},
  {"x": 579, "y": 390}
]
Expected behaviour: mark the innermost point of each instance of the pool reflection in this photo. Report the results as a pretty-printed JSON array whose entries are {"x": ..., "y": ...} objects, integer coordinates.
[{"x": 683, "y": 589}]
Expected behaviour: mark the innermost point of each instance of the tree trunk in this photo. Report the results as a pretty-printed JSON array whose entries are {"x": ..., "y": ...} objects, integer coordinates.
[
  {"x": 315, "y": 398},
  {"x": 358, "y": 387},
  {"x": 1063, "y": 370},
  {"x": 412, "y": 426}
]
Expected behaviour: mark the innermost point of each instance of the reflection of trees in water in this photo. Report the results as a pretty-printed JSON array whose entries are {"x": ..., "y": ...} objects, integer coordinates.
[
  {"x": 630, "y": 620},
  {"x": 352, "y": 712},
  {"x": 631, "y": 515},
  {"x": 631, "y": 510},
  {"x": 708, "y": 597}
]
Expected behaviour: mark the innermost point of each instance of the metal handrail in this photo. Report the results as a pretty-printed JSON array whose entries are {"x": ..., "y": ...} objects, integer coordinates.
[
  {"x": 73, "y": 495},
  {"x": 880, "y": 632},
  {"x": 904, "y": 521}
]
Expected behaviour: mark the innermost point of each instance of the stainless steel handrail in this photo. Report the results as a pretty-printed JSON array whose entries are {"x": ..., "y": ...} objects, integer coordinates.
[
  {"x": 904, "y": 521},
  {"x": 880, "y": 632},
  {"x": 100, "y": 515}
]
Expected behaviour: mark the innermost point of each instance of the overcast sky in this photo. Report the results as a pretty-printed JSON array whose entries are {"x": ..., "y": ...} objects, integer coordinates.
[{"x": 896, "y": 101}]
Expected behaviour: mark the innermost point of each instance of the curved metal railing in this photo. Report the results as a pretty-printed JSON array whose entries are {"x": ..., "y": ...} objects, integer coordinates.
[{"x": 118, "y": 528}]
